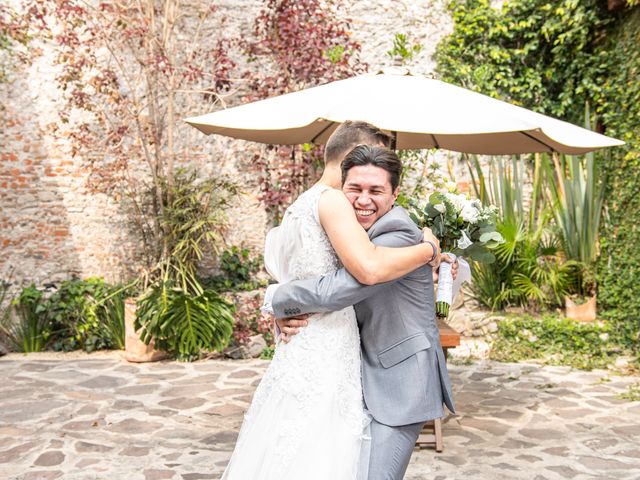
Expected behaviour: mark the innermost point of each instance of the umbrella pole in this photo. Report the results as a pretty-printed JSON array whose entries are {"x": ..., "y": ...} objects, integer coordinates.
[{"x": 394, "y": 140}]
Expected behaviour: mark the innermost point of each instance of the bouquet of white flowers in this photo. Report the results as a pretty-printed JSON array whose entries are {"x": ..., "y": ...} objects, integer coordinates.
[{"x": 465, "y": 229}]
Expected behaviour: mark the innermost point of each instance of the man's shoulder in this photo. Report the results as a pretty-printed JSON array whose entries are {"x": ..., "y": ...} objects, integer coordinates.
[{"x": 395, "y": 220}]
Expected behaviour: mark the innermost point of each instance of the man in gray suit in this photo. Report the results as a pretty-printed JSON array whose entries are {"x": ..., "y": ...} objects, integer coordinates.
[{"x": 404, "y": 375}]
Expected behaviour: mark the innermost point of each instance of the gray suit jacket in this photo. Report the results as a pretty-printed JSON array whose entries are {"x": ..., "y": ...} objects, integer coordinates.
[{"x": 404, "y": 375}]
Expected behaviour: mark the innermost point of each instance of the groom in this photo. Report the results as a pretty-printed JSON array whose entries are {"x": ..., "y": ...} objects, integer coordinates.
[{"x": 404, "y": 376}]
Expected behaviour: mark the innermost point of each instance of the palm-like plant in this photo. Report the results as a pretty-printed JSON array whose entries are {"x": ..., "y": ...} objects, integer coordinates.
[
  {"x": 185, "y": 324},
  {"x": 175, "y": 309}
]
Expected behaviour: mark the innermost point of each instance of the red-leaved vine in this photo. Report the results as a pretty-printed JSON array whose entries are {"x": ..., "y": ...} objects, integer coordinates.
[{"x": 296, "y": 44}]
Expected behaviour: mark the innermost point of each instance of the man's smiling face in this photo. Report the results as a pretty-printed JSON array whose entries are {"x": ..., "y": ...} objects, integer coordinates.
[{"x": 369, "y": 190}]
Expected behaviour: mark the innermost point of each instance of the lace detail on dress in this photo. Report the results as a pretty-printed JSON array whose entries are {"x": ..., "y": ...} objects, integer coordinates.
[
  {"x": 317, "y": 256},
  {"x": 320, "y": 368}
]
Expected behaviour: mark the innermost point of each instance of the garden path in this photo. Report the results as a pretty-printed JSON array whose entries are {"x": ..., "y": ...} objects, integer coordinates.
[{"x": 99, "y": 417}]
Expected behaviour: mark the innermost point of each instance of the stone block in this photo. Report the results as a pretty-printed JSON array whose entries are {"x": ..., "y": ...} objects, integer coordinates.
[{"x": 256, "y": 345}]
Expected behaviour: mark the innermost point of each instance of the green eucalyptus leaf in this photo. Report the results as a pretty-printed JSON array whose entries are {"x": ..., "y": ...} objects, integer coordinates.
[{"x": 491, "y": 237}]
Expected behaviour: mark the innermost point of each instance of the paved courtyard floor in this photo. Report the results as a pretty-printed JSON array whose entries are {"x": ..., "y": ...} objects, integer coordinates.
[{"x": 99, "y": 417}]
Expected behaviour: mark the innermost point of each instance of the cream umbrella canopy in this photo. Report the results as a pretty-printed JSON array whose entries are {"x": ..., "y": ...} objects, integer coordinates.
[{"x": 420, "y": 112}]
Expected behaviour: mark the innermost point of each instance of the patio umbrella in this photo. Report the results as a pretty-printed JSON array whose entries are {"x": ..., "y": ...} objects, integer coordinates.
[{"x": 420, "y": 112}]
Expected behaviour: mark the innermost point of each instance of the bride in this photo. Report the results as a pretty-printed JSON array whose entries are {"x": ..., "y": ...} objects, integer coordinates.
[{"x": 307, "y": 419}]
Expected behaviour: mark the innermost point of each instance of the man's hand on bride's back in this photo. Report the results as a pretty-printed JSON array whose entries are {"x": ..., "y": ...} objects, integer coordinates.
[{"x": 290, "y": 326}]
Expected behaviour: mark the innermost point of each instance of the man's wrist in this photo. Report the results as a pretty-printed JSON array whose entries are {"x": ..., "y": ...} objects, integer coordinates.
[{"x": 435, "y": 250}]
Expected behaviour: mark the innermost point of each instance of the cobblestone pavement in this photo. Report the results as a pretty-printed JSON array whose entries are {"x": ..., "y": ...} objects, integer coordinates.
[{"x": 98, "y": 417}]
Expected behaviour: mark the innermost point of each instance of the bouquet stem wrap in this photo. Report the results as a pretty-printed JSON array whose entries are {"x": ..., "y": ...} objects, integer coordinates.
[{"x": 444, "y": 296}]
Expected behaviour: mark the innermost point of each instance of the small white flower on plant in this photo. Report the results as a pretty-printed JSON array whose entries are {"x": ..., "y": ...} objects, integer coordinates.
[
  {"x": 533, "y": 338},
  {"x": 440, "y": 207},
  {"x": 451, "y": 186},
  {"x": 604, "y": 337}
]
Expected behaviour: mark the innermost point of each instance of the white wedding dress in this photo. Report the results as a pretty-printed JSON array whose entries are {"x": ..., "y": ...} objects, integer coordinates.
[{"x": 306, "y": 420}]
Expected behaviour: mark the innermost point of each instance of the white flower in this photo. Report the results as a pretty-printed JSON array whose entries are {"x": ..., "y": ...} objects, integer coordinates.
[
  {"x": 469, "y": 213},
  {"x": 458, "y": 201},
  {"x": 464, "y": 242},
  {"x": 440, "y": 207},
  {"x": 604, "y": 337},
  {"x": 533, "y": 338}
]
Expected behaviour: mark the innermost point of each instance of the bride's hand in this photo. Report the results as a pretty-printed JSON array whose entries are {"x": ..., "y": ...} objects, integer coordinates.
[{"x": 454, "y": 267}]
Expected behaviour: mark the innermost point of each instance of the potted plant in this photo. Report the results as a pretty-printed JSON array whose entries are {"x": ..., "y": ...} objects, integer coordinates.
[{"x": 175, "y": 312}]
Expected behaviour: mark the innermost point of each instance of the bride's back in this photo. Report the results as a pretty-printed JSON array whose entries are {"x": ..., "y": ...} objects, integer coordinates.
[{"x": 299, "y": 248}]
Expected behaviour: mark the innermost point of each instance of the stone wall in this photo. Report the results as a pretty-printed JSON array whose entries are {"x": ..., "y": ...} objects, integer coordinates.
[{"x": 53, "y": 228}]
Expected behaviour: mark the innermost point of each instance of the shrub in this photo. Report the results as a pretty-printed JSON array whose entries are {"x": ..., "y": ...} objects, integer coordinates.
[
  {"x": 557, "y": 341},
  {"x": 249, "y": 320},
  {"x": 80, "y": 314},
  {"x": 239, "y": 268},
  {"x": 73, "y": 312}
]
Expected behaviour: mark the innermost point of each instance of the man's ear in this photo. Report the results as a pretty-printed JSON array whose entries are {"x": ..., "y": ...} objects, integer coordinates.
[{"x": 396, "y": 192}]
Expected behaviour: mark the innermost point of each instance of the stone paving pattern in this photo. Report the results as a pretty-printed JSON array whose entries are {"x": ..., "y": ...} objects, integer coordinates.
[{"x": 103, "y": 418}]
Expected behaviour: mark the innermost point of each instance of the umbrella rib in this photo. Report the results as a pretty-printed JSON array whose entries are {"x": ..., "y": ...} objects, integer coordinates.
[
  {"x": 539, "y": 141},
  {"x": 435, "y": 142},
  {"x": 313, "y": 140}
]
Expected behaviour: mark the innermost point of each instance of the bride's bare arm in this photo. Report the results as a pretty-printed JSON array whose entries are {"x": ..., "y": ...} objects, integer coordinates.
[{"x": 367, "y": 262}]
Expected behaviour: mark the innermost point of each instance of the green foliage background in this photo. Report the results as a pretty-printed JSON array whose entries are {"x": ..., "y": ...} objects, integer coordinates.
[
  {"x": 559, "y": 341},
  {"x": 554, "y": 57}
]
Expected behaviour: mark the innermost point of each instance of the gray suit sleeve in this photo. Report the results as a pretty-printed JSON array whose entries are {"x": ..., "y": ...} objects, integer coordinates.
[{"x": 339, "y": 289}]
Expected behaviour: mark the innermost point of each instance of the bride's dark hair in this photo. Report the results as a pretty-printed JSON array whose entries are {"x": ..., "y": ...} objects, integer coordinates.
[{"x": 376, "y": 156}]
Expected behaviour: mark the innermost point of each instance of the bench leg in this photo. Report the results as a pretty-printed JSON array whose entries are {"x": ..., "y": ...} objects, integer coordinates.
[
  {"x": 437, "y": 430},
  {"x": 431, "y": 435}
]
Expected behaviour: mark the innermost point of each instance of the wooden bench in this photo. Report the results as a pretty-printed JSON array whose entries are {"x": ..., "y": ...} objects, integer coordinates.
[{"x": 431, "y": 434}]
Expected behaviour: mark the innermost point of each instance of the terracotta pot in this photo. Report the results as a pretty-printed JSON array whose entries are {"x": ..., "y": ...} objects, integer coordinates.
[
  {"x": 585, "y": 312},
  {"x": 135, "y": 349}
]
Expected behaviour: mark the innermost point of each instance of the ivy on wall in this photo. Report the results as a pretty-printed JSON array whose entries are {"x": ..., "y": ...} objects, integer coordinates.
[
  {"x": 536, "y": 53},
  {"x": 619, "y": 292},
  {"x": 555, "y": 57}
]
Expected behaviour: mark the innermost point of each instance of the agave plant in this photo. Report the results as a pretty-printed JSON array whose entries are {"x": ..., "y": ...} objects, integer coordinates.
[
  {"x": 576, "y": 187},
  {"x": 530, "y": 269},
  {"x": 32, "y": 329},
  {"x": 576, "y": 193}
]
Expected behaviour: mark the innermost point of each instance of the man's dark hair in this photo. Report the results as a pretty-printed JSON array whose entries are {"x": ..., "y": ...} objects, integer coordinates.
[
  {"x": 348, "y": 135},
  {"x": 376, "y": 156}
]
